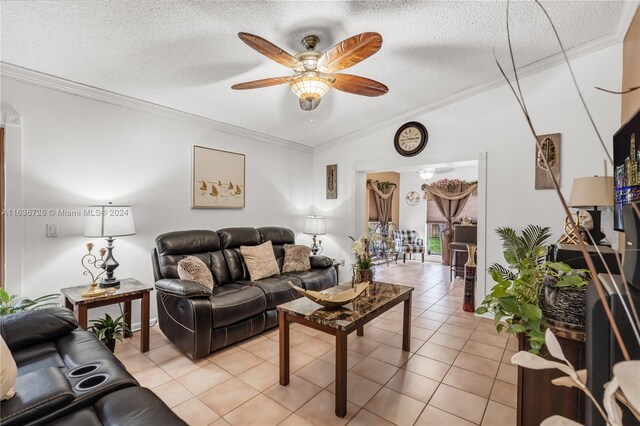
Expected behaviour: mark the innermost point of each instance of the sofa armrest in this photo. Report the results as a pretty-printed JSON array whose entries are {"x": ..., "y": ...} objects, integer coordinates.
[
  {"x": 37, "y": 394},
  {"x": 318, "y": 262},
  {"x": 182, "y": 288},
  {"x": 30, "y": 328}
]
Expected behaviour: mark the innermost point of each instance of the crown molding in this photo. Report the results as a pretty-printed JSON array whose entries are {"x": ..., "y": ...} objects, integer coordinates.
[
  {"x": 626, "y": 17},
  {"x": 25, "y": 75}
]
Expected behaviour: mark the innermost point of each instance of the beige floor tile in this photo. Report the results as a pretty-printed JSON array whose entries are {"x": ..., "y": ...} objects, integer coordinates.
[
  {"x": 389, "y": 325},
  {"x": 359, "y": 389},
  {"x": 137, "y": 363},
  {"x": 265, "y": 349},
  {"x": 483, "y": 350},
  {"x": 238, "y": 362},
  {"x": 352, "y": 358},
  {"x": 506, "y": 357},
  {"x": 152, "y": 377},
  {"x": 295, "y": 420},
  {"x": 366, "y": 418},
  {"x": 297, "y": 360},
  {"x": 499, "y": 415},
  {"x": 372, "y": 369},
  {"x": 481, "y": 365},
  {"x": 227, "y": 396},
  {"x": 321, "y": 410},
  {"x": 261, "y": 377},
  {"x": 442, "y": 309},
  {"x": 363, "y": 345},
  {"x": 447, "y": 340},
  {"x": 395, "y": 407},
  {"x": 427, "y": 367},
  {"x": 499, "y": 340},
  {"x": 505, "y": 393},
  {"x": 220, "y": 422},
  {"x": 314, "y": 347},
  {"x": 318, "y": 372},
  {"x": 439, "y": 353},
  {"x": 377, "y": 334},
  {"x": 508, "y": 373},
  {"x": 421, "y": 333},
  {"x": 460, "y": 403},
  {"x": 487, "y": 327},
  {"x": 462, "y": 322},
  {"x": 173, "y": 393},
  {"x": 125, "y": 350},
  {"x": 512, "y": 344},
  {"x": 204, "y": 378},
  {"x": 435, "y": 316},
  {"x": 163, "y": 354},
  {"x": 328, "y": 338},
  {"x": 454, "y": 330},
  {"x": 413, "y": 385},
  {"x": 195, "y": 412},
  {"x": 223, "y": 353},
  {"x": 427, "y": 323},
  {"x": 251, "y": 341},
  {"x": 397, "y": 339},
  {"x": 180, "y": 366},
  {"x": 391, "y": 355},
  {"x": 432, "y": 416},
  {"x": 259, "y": 411},
  {"x": 469, "y": 381},
  {"x": 295, "y": 394}
]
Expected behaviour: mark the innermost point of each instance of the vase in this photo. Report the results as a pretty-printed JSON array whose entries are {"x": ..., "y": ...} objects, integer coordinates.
[
  {"x": 446, "y": 237},
  {"x": 468, "y": 304},
  {"x": 362, "y": 275}
]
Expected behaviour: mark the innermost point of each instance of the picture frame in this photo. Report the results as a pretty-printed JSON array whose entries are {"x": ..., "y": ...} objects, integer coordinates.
[
  {"x": 218, "y": 179},
  {"x": 551, "y": 147},
  {"x": 332, "y": 182}
]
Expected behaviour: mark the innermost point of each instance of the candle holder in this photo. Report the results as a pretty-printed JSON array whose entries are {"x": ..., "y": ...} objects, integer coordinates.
[{"x": 89, "y": 262}]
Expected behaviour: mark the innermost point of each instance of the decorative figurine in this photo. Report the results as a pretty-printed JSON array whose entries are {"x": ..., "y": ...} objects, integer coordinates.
[{"x": 90, "y": 260}]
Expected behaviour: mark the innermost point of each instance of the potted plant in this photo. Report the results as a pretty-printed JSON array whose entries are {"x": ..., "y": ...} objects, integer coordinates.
[
  {"x": 515, "y": 299},
  {"x": 108, "y": 330},
  {"x": 10, "y": 304},
  {"x": 363, "y": 268}
]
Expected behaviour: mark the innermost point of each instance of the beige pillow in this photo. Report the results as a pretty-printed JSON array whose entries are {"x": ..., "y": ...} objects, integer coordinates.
[
  {"x": 296, "y": 258},
  {"x": 193, "y": 269},
  {"x": 8, "y": 372},
  {"x": 260, "y": 260}
]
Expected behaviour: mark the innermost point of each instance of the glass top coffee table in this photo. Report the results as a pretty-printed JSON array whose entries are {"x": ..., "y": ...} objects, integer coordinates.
[{"x": 340, "y": 322}]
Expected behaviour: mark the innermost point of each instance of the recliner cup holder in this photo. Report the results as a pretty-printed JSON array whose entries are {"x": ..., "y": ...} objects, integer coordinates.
[
  {"x": 83, "y": 370},
  {"x": 91, "y": 382}
]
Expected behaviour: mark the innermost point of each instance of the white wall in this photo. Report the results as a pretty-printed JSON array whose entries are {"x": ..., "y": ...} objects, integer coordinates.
[
  {"x": 414, "y": 217},
  {"x": 491, "y": 122},
  {"x": 72, "y": 152}
]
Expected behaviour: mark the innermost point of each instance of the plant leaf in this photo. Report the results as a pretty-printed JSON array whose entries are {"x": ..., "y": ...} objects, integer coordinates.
[
  {"x": 531, "y": 311},
  {"x": 510, "y": 304},
  {"x": 554, "y": 346},
  {"x": 535, "y": 362},
  {"x": 560, "y": 267},
  {"x": 559, "y": 421},
  {"x": 612, "y": 408},
  {"x": 628, "y": 374},
  {"x": 569, "y": 382}
]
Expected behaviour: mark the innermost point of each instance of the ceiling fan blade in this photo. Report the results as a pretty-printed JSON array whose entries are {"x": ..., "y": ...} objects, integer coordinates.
[
  {"x": 271, "y": 51},
  {"x": 358, "y": 85},
  {"x": 350, "y": 51},
  {"x": 256, "y": 84}
]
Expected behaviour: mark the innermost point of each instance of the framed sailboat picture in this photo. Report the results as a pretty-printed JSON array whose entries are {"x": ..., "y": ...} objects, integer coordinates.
[{"x": 218, "y": 179}]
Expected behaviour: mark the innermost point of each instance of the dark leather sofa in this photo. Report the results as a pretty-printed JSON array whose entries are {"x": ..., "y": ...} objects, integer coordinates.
[
  {"x": 199, "y": 321},
  {"x": 67, "y": 377}
]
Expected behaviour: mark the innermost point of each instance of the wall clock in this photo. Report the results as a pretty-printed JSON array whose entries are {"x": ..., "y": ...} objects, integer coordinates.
[
  {"x": 410, "y": 139},
  {"x": 412, "y": 198}
]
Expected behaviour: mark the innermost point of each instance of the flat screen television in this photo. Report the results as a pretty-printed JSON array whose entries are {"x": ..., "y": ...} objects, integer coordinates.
[{"x": 626, "y": 158}]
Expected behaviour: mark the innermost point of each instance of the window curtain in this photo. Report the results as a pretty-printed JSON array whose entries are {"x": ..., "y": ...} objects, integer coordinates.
[
  {"x": 383, "y": 197},
  {"x": 450, "y": 196}
]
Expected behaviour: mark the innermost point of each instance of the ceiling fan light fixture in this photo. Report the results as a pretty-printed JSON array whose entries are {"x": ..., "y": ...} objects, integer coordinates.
[
  {"x": 309, "y": 86},
  {"x": 426, "y": 174}
]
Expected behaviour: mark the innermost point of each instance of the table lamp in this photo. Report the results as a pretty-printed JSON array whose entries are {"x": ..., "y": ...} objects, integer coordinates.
[
  {"x": 109, "y": 221},
  {"x": 591, "y": 193},
  {"x": 314, "y": 225}
]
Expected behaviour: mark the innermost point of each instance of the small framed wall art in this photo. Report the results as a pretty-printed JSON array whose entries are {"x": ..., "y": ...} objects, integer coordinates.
[
  {"x": 549, "y": 148},
  {"x": 332, "y": 181},
  {"x": 218, "y": 179}
]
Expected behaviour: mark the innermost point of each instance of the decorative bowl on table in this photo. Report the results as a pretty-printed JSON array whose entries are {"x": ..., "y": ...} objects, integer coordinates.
[{"x": 329, "y": 299}]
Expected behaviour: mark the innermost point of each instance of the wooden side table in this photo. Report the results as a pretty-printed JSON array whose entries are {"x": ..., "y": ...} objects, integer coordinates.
[{"x": 128, "y": 290}]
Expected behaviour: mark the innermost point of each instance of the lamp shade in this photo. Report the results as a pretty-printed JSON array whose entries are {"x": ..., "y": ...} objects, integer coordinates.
[
  {"x": 595, "y": 191},
  {"x": 109, "y": 220},
  {"x": 314, "y": 225}
]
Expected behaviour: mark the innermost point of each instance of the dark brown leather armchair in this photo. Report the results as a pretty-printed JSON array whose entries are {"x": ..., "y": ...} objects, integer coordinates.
[{"x": 200, "y": 321}]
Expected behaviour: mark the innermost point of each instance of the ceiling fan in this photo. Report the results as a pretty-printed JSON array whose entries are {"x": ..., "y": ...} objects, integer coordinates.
[{"x": 316, "y": 72}]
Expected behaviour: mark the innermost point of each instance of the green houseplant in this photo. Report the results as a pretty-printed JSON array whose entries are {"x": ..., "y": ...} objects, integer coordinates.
[
  {"x": 514, "y": 299},
  {"x": 10, "y": 304},
  {"x": 108, "y": 330}
]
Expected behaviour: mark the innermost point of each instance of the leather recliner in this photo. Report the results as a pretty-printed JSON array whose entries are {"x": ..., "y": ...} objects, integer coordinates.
[
  {"x": 200, "y": 321},
  {"x": 67, "y": 376}
]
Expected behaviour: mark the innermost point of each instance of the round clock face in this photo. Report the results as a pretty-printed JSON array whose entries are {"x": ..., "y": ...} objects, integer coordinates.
[
  {"x": 411, "y": 139},
  {"x": 412, "y": 198}
]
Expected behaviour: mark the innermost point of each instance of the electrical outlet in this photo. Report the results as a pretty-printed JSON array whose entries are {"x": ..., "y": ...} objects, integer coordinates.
[
  {"x": 52, "y": 230},
  {"x": 342, "y": 262}
]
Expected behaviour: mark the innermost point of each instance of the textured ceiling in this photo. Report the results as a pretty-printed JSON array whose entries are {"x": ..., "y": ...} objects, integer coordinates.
[{"x": 186, "y": 55}]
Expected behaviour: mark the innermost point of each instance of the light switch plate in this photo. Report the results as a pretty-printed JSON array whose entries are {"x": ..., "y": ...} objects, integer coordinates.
[{"x": 52, "y": 230}]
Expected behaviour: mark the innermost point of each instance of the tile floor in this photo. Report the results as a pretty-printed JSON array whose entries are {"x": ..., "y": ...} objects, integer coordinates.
[{"x": 458, "y": 372}]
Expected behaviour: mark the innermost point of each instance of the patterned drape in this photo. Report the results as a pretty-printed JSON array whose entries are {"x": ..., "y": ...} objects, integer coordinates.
[
  {"x": 450, "y": 197},
  {"x": 383, "y": 197}
]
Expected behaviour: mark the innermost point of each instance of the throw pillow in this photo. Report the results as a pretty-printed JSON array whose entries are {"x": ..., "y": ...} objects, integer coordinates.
[
  {"x": 8, "y": 372},
  {"x": 260, "y": 260},
  {"x": 193, "y": 269},
  {"x": 296, "y": 258}
]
